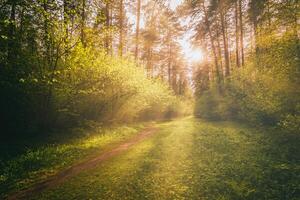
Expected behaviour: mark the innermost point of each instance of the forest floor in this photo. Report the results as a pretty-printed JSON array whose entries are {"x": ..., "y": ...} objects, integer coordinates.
[{"x": 185, "y": 158}]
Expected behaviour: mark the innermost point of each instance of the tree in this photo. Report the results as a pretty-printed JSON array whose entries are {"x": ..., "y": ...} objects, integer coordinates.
[
  {"x": 137, "y": 30},
  {"x": 121, "y": 28}
]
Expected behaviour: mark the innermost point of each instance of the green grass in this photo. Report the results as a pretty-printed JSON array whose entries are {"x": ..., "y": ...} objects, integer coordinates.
[
  {"x": 194, "y": 159},
  {"x": 57, "y": 153}
]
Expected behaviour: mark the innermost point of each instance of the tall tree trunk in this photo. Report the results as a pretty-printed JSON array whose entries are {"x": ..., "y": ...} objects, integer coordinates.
[
  {"x": 237, "y": 56},
  {"x": 83, "y": 18},
  {"x": 241, "y": 32},
  {"x": 226, "y": 53},
  {"x": 174, "y": 79},
  {"x": 207, "y": 23},
  {"x": 66, "y": 24},
  {"x": 268, "y": 13},
  {"x": 110, "y": 32},
  {"x": 220, "y": 55},
  {"x": 121, "y": 29},
  {"x": 11, "y": 34},
  {"x": 169, "y": 65},
  {"x": 107, "y": 25},
  {"x": 45, "y": 112},
  {"x": 46, "y": 34},
  {"x": 137, "y": 30}
]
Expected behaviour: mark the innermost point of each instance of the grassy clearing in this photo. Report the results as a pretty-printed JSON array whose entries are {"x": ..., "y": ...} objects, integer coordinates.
[
  {"x": 192, "y": 159},
  {"x": 57, "y": 153}
]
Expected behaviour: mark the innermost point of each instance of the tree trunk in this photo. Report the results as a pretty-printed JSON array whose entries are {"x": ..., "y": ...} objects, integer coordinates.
[
  {"x": 237, "y": 56},
  {"x": 11, "y": 34},
  {"x": 226, "y": 53},
  {"x": 110, "y": 32},
  {"x": 241, "y": 32},
  {"x": 121, "y": 29},
  {"x": 212, "y": 43},
  {"x": 66, "y": 24},
  {"x": 169, "y": 66},
  {"x": 107, "y": 24},
  {"x": 137, "y": 32},
  {"x": 82, "y": 33},
  {"x": 220, "y": 55}
]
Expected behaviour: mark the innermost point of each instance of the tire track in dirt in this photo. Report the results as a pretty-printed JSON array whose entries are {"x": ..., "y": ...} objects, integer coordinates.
[{"x": 86, "y": 165}]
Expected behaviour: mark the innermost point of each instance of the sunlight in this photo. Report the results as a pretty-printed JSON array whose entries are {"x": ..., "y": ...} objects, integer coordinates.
[
  {"x": 191, "y": 53},
  {"x": 194, "y": 55},
  {"x": 174, "y": 3}
]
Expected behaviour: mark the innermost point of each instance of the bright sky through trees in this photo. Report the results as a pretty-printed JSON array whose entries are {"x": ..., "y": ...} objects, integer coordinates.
[
  {"x": 191, "y": 53},
  {"x": 195, "y": 55},
  {"x": 175, "y": 3}
]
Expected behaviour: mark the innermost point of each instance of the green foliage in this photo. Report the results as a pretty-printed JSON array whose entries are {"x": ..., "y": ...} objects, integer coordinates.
[
  {"x": 99, "y": 87},
  {"x": 90, "y": 85},
  {"x": 213, "y": 105},
  {"x": 57, "y": 69},
  {"x": 264, "y": 91}
]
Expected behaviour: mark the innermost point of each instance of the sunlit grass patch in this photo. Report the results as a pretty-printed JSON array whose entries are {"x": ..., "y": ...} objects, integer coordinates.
[
  {"x": 193, "y": 159},
  {"x": 39, "y": 163}
]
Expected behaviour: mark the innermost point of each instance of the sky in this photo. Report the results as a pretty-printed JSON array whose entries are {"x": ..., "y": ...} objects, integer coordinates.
[{"x": 191, "y": 53}]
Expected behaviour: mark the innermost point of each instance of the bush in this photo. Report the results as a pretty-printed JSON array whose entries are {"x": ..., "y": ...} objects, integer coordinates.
[
  {"x": 265, "y": 91},
  {"x": 90, "y": 85},
  {"x": 95, "y": 86}
]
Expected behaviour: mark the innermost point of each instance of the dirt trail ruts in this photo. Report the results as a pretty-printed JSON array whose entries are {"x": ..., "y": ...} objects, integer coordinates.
[{"x": 86, "y": 165}]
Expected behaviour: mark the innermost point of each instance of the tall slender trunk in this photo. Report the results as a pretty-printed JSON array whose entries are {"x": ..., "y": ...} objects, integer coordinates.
[
  {"x": 110, "y": 32},
  {"x": 66, "y": 25},
  {"x": 226, "y": 53},
  {"x": 269, "y": 12},
  {"x": 251, "y": 40},
  {"x": 46, "y": 35},
  {"x": 174, "y": 79},
  {"x": 121, "y": 29},
  {"x": 137, "y": 30},
  {"x": 169, "y": 65},
  {"x": 220, "y": 55},
  {"x": 11, "y": 34},
  {"x": 237, "y": 56},
  {"x": 241, "y": 32},
  {"x": 207, "y": 23},
  {"x": 82, "y": 30},
  {"x": 45, "y": 112},
  {"x": 107, "y": 25}
]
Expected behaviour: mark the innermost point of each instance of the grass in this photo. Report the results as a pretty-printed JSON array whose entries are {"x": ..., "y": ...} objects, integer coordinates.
[
  {"x": 195, "y": 159},
  {"x": 45, "y": 158}
]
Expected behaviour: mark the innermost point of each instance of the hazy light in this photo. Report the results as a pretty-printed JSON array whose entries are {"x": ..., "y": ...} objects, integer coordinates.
[
  {"x": 174, "y": 3},
  {"x": 193, "y": 55},
  {"x": 196, "y": 55}
]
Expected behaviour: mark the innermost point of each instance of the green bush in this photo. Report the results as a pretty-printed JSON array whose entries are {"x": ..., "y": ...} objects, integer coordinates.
[
  {"x": 89, "y": 85},
  {"x": 95, "y": 86},
  {"x": 264, "y": 91}
]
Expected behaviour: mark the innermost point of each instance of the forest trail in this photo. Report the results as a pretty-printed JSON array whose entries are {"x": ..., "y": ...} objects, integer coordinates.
[
  {"x": 86, "y": 165},
  {"x": 186, "y": 158}
]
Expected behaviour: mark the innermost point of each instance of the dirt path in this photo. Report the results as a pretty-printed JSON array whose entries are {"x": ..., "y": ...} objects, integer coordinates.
[{"x": 76, "y": 169}]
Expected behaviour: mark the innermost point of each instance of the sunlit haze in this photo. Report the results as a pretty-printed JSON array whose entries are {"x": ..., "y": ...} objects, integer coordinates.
[
  {"x": 195, "y": 55},
  {"x": 192, "y": 54},
  {"x": 175, "y": 3}
]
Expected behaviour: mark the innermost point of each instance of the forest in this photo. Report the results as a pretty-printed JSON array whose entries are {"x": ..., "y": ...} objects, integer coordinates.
[{"x": 167, "y": 88}]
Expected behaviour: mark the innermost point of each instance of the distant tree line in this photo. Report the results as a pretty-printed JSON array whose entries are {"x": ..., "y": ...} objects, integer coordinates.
[{"x": 251, "y": 71}]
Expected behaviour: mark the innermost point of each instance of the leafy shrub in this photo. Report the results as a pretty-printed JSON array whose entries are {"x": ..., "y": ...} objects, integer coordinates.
[{"x": 265, "y": 91}]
